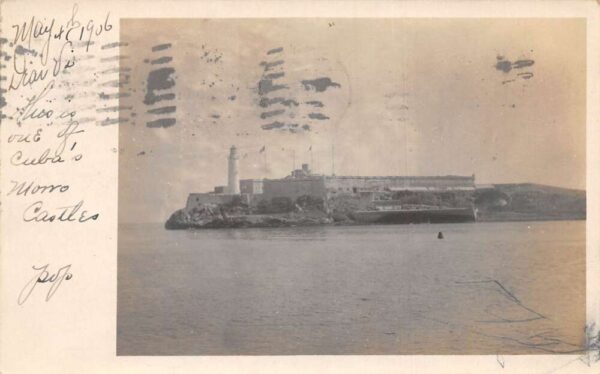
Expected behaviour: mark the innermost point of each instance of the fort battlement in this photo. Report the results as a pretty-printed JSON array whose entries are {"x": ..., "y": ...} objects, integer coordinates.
[{"x": 302, "y": 182}]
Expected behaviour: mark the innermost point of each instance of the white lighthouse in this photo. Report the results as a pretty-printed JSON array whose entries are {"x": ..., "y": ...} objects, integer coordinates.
[{"x": 233, "y": 180}]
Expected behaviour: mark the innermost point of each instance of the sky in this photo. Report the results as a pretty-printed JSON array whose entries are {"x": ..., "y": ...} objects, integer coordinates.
[{"x": 503, "y": 99}]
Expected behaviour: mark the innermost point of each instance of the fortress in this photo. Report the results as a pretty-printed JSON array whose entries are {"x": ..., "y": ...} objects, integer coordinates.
[{"x": 302, "y": 182}]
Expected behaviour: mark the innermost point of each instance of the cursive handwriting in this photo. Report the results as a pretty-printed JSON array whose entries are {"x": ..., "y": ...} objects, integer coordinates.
[
  {"x": 30, "y": 110},
  {"x": 24, "y": 76},
  {"x": 23, "y": 189},
  {"x": 40, "y": 31},
  {"x": 72, "y": 213},
  {"x": 26, "y": 138},
  {"x": 17, "y": 159},
  {"x": 28, "y": 32},
  {"x": 33, "y": 111},
  {"x": 71, "y": 128},
  {"x": 42, "y": 275}
]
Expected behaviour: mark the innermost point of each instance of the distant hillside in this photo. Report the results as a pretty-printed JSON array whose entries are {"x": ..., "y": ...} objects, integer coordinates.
[{"x": 527, "y": 201}]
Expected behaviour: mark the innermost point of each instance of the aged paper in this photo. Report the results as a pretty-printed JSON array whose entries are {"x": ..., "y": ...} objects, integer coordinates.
[{"x": 299, "y": 186}]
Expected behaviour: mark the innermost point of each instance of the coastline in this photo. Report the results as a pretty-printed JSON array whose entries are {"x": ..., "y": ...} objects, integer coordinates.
[
  {"x": 502, "y": 203},
  {"x": 299, "y": 220}
]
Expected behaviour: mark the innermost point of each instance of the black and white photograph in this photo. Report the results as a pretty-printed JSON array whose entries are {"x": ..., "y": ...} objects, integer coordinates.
[{"x": 351, "y": 186}]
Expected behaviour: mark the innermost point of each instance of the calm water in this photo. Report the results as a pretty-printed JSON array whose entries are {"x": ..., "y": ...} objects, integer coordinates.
[{"x": 486, "y": 288}]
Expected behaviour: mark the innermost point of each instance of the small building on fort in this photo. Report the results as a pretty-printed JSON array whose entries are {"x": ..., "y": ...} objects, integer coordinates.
[{"x": 251, "y": 186}]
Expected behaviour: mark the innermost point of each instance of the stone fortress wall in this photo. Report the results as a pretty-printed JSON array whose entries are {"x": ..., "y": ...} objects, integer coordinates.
[{"x": 302, "y": 182}]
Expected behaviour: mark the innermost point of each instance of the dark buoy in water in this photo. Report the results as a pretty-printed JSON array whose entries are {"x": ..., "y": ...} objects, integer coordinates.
[{"x": 440, "y": 235}]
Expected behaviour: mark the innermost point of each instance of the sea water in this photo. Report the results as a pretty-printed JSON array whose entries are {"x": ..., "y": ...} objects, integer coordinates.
[{"x": 485, "y": 288}]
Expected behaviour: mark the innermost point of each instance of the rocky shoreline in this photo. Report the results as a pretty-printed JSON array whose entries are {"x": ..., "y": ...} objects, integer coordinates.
[
  {"x": 182, "y": 220},
  {"x": 507, "y": 202}
]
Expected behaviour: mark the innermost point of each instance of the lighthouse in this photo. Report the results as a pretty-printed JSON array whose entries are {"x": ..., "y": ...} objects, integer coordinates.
[{"x": 233, "y": 180}]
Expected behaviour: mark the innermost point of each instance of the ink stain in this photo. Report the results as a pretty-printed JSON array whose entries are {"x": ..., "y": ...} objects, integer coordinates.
[
  {"x": 526, "y": 75},
  {"x": 275, "y": 50},
  {"x": 20, "y": 50},
  {"x": 161, "y": 47},
  {"x": 319, "y": 84},
  {"x": 112, "y": 121},
  {"x": 271, "y": 113},
  {"x": 104, "y": 96},
  {"x": 314, "y": 103},
  {"x": 163, "y": 110},
  {"x": 270, "y": 65},
  {"x": 162, "y": 122},
  {"x": 503, "y": 65},
  {"x": 289, "y": 102},
  {"x": 265, "y": 101},
  {"x": 266, "y": 85},
  {"x": 114, "y": 45},
  {"x": 522, "y": 63},
  {"x": 113, "y": 58},
  {"x": 318, "y": 116},
  {"x": 273, "y": 125},
  {"x": 113, "y": 109},
  {"x": 274, "y": 75},
  {"x": 161, "y": 60},
  {"x": 506, "y": 65},
  {"x": 159, "y": 79}
]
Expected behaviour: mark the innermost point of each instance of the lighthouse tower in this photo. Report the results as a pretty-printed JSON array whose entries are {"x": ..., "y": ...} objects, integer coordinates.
[{"x": 233, "y": 180}]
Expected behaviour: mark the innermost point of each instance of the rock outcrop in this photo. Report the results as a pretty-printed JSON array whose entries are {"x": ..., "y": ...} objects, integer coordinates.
[
  {"x": 209, "y": 217},
  {"x": 502, "y": 202}
]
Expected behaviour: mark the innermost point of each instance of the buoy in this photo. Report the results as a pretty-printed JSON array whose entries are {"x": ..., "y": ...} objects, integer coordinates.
[{"x": 440, "y": 235}]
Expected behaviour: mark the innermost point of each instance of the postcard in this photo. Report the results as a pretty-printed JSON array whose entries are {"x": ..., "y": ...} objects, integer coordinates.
[{"x": 299, "y": 186}]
